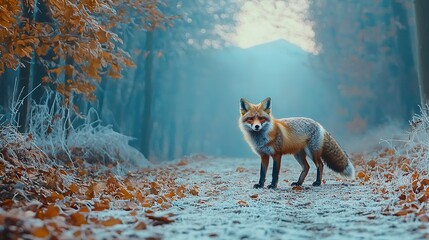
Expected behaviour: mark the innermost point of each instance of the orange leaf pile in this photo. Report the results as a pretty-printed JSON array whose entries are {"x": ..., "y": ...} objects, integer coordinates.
[
  {"x": 67, "y": 197},
  {"x": 390, "y": 166}
]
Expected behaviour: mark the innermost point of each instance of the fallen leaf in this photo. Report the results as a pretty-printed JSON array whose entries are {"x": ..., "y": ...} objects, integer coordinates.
[
  {"x": 40, "y": 232},
  {"x": 7, "y": 204},
  {"x": 55, "y": 196},
  {"x": 40, "y": 214},
  {"x": 124, "y": 194},
  {"x": 297, "y": 188},
  {"x": 51, "y": 211},
  {"x": 180, "y": 194},
  {"x": 73, "y": 188},
  {"x": 243, "y": 203},
  {"x": 159, "y": 220},
  {"x": 84, "y": 209},
  {"x": 193, "y": 191},
  {"x": 361, "y": 175},
  {"x": 110, "y": 222},
  {"x": 165, "y": 206},
  {"x": 139, "y": 196},
  {"x": 140, "y": 226},
  {"x": 372, "y": 163},
  {"x": 147, "y": 203},
  {"x": 170, "y": 195},
  {"x": 100, "y": 206},
  {"x": 423, "y": 198},
  {"x": 403, "y": 212},
  {"x": 77, "y": 219}
]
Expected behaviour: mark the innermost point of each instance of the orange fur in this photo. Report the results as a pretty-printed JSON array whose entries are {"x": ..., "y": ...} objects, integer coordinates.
[{"x": 289, "y": 142}]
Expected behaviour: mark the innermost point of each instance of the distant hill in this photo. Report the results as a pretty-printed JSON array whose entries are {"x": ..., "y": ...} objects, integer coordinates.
[{"x": 277, "y": 46}]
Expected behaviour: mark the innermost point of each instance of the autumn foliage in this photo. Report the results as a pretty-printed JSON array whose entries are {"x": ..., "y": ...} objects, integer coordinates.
[
  {"x": 399, "y": 173},
  {"x": 43, "y": 199},
  {"x": 78, "y": 42}
]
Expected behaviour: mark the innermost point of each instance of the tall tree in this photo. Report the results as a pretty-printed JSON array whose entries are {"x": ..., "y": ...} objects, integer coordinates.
[
  {"x": 24, "y": 81},
  {"x": 366, "y": 49},
  {"x": 148, "y": 93},
  {"x": 86, "y": 31},
  {"x": 422, "y": 8},
  {"x": 194, "y": 29}
]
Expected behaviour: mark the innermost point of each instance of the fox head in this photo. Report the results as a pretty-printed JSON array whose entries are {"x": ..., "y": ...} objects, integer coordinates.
[{"x": 255, "y": 117}]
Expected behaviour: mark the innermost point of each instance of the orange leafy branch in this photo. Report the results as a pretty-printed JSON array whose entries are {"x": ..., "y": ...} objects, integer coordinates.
[{"x": 86, "y": 31}]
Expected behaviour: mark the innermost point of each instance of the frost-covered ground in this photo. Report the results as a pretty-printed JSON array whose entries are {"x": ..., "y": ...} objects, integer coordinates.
[{"x": 227, "y": 207}]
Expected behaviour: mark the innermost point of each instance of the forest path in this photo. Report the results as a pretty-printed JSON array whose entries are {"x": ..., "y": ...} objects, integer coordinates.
[{"x": 229, "y": 208}]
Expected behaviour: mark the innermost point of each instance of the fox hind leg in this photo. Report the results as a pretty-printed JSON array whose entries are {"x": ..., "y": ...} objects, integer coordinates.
[
  {"x": 316, "y": 157},
  {"x": 300, "y": 157}
]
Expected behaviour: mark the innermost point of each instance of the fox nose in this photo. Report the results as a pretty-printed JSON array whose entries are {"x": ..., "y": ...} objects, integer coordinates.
[{"x": 257, "y": 127}]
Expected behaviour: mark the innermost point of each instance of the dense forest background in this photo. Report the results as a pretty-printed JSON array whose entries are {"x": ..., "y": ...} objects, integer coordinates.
[{"x": 170, "y": 73}]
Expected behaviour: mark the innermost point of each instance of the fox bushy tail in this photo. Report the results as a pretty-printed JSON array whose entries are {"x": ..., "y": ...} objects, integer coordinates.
[{"x": 335, "y": 157}]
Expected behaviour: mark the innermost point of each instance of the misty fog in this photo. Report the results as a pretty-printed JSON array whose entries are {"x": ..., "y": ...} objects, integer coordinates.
[
  {"x": 351, "y": 83},
  {"x": 350, "y": 65}
]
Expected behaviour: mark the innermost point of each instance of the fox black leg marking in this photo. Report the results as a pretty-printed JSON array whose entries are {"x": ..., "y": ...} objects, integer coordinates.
[
  {"x": 318, "y": 178},
  {"x": 277, "y": 159},
  {"x": 319, "y": 165},
  {"x": 300, "y": 157},
  {"x": 263, "y": 171}
]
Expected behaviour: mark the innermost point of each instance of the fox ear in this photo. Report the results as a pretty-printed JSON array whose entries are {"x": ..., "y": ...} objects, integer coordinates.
[
  {"x": 266, "y": 104},
  {"x": 244, "y": 105}
]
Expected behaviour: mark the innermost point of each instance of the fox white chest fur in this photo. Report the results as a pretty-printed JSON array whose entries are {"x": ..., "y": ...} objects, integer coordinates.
[{"x": 259, "y": 141}]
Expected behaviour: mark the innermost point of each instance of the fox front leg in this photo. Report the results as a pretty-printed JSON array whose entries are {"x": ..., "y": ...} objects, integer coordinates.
[
  {"x": 277, "y": 159},
  {"x": 263, "y": 172}
]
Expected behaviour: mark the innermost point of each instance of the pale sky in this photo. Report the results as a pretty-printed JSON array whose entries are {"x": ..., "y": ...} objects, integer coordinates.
[{"x": 269, "y": 20}]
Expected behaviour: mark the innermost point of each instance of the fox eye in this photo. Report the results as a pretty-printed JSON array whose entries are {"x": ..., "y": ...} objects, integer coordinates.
[
  {"x": 262, "y": 120},
  {"x": 249, "y": 119}
]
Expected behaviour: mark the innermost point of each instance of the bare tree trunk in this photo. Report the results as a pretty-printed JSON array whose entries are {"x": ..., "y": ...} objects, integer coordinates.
[
  {"x": 172, "y": 134},
  {"x": 148, "y": 93},
  {"x": 408, "y": 79},
  {"x": 422, "y": 21},
  {"x": 40, "y": 15},
  {"x": 68, "y": 96},
  {"x": 7, "y": 80},
  {"x": 24, "y": 81}
]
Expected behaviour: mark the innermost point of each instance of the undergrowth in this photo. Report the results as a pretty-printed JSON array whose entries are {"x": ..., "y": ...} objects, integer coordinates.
[
  {"x": 53, "y": 129},
  {"x": 55, "y": 176},
  {"x": 400, "y": 172}
]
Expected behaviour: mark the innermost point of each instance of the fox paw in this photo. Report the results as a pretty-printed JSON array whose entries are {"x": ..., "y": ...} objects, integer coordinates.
[
  {"x": 272, "y": 186},
  {"x": 258, "y": 186},
  {"x": 316, "y": 183},
  {"x": 296, "y": 184}
]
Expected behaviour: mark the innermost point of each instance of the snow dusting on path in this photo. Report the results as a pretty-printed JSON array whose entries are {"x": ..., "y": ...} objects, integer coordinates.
[{"x": 227, "y": 207}]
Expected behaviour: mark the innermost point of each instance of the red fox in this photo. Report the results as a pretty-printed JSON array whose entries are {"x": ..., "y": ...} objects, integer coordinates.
[{"x": 268, "y": 136}]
